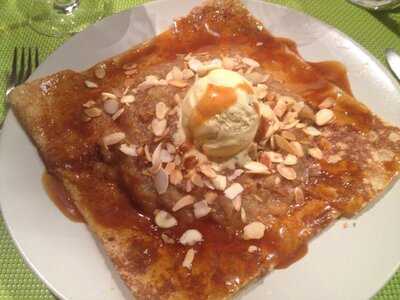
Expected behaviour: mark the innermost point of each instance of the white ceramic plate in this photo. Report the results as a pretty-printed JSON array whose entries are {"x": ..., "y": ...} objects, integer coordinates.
[{"x": 352, "y": 263}]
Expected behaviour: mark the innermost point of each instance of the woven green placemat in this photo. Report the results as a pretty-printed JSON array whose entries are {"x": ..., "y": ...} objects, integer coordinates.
[{"x": 375, "y": 31}]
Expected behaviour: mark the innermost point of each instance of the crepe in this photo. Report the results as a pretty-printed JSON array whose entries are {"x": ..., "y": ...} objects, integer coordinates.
[{"x": 263, "y": 217}]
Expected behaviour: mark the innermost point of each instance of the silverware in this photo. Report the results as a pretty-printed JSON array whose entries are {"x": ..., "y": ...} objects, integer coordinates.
[
  {"x": 393, "y": 60},
  {"x": 21, "y": 68}
]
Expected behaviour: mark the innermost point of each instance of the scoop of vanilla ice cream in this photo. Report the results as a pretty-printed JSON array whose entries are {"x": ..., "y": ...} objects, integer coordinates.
[{"x": 218, "y": 114}]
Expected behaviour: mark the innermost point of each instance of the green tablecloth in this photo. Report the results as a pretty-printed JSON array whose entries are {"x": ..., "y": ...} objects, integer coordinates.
[{"x": 375, "y": 31}]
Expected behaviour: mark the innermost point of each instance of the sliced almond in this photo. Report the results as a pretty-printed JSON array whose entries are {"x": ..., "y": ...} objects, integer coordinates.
[
  {"x": 89, "y": 104},
  {"x": 106, "y": 95},
  {"x": 129, "y": 150},
  {"x": 188, "y": 260},
  {"x": 91, "y": 84},
  {"x": 288, "y": 135},
  {"x": 261, "y": 91},
  {"x": 201, "y": 209},
  {"x": 93, "y": 112},
  {"x": 156, "y": 159},
  {"x": 237, "y": 173},
  {"x": 233, "y": 191},
  {"x": 315, "y": 153},
  {"x": 283, "y": 144},
  {"x": 161, "y": 110},
  {"x": 254, "y": 231},
  {"x": 188, "y": 186},
  {"x": 111, "y": 106},
  {"x": 183, "y": 202},
  {"x": 327, "y": 103},
  {"x": 243, "y": 215},
  {"x": 297, "y": 149},
  {"x": 307, "y": 113},
  {"x": 171, "y": 148},
  {"x": 194, "y": 64},
  {"x": 250, "y": 62},
  {"x": 210, "y": 197},
  {"x": 237, "y": 203},
  {"x": 197, "y": 180},
  {"x": 166, "y": 239},
  {"x": 219, "y": 182},
  {"x": 158, "y": 126},
  {"x": 161, "y": 181},
  {"x": 286, "y": 172},
  {"x": 169, "y": 168},
  {"x": 178, "y": 83},
  {"x": 207, "y": 171},
  {"x": 324, "y": 116},
  {"x": 298, "y": 195},
  {"x": 113, "y": 138},
  {"x": 274, "y": 157},
  {"x": 164, "y": 219},
  {"x": 290, "y": 160},
  {"x": 128, "y": 99},
  {"x": 117, "y": 114},
  {"x": 280, "y": 108},
  {"x": 254, "y": 167},
  {"x": 165, "y": 156},
  {"x": 311, "y": 131},
  {"x": 176, "y": 177},
  {"x": 100, "y": 72},
  {"x": 191, "y": 237}
]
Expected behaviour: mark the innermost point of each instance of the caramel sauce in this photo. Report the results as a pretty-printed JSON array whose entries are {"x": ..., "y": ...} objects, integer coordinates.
[
  {"x": 59, "y": 196},
  {"x": 215, "y": 100}
]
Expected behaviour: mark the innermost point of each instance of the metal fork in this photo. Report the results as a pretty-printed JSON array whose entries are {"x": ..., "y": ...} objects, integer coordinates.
[{"x": 22, "y": 67}]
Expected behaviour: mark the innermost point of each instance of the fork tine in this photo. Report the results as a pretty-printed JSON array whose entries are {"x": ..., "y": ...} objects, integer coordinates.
[
  {"x": 13, "y": 75},
  {"x": 29, "y": 68},
  {"x": 36, "y": 57},
  {"x": 22, "y": 67}
]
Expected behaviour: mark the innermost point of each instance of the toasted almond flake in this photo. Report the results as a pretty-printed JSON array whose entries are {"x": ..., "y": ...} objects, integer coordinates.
[
  {"x": 177, "y": 160},
  {"x": 233, "y": 191},
  {"x": 207, "y": 171},
  {"x": 166, "y": 239},
  {"x": 188, "y": 260},
  {"x": 164, "y": 219},
  {"x": 169, "y": 168},
  {"x": 100, "y": 72},
  {"x": 93, "y": 112},
  {"x": 237, "y": 203},
  {"x": 274, "y": 157},
  {"x": 191, "y": 237},
  {"x": 178, "y": 83},
  {"x": 254, "y": 167},
  {"x": 183, "y": 202},
  {"x": 128, "y": 99},
  {"x": 117, "y": 114},
  {"x": 188, "y": 186},
  {"x": 333, "y": 159},
  {"x": 91, "y": 84},
  {"x": 156, "y": 159},
  {"x": 327, "y": 103},
  {"x": 253, "y": 249},
  {"x": 158, "y": 126},
  {"x": 297, "y": 149},
  {"x": 147, "y": 152},
  {"x": 89, "y": 104},
  {"x": 287, "y": 126},
  {"x": 254, "y": 231},
  {"x": 394, "y": 137},
  {"x": 210, "y": 197},
  {"x": 201, "y": 209},
  {"x": 129, "y": 150},
  {"x": 219, "y": 182},
  {"x": 288, "y": 135},
  {"x": 237, "y": 173},
  {"x": 283, "y": 144},
  {"x": 324, "y": 116},
  {"x": 290, "y": 160},
  {"x": 111, "y": 106},
  {"x": 187, "y": 74},
  {"x": 194, "y": 64},
  {"x": 307, "y": 113},
  {"x": 113, "y": 138},
  {"x": 260, "y": 91},
  {"x": 280, "y": 108},
  {"x": 161, "y": 110},
  {"x": 286, "y": 172},
  {"x": 250, "y": 62},
  {"x": 243, "y": 215},
  {"x": 300, "y": 125},
  {"x": 197, "y": 180},
  {"x": 165, "y": 156},
  {"x": 161, "y": 181},
  {"x": 298, "y": 195},
  {"x": 315, "y": 153},
  {"x": 311, "y": 131},
  {"x": 106, "y": 95},
  {"x": 176, "y": 177}
]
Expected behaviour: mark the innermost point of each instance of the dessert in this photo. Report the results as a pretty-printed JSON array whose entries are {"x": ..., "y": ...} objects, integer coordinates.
[{"x": 190, "y": 200}]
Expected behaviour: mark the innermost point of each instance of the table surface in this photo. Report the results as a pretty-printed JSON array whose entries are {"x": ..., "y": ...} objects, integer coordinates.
[{"x": 376, "y": 31}]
